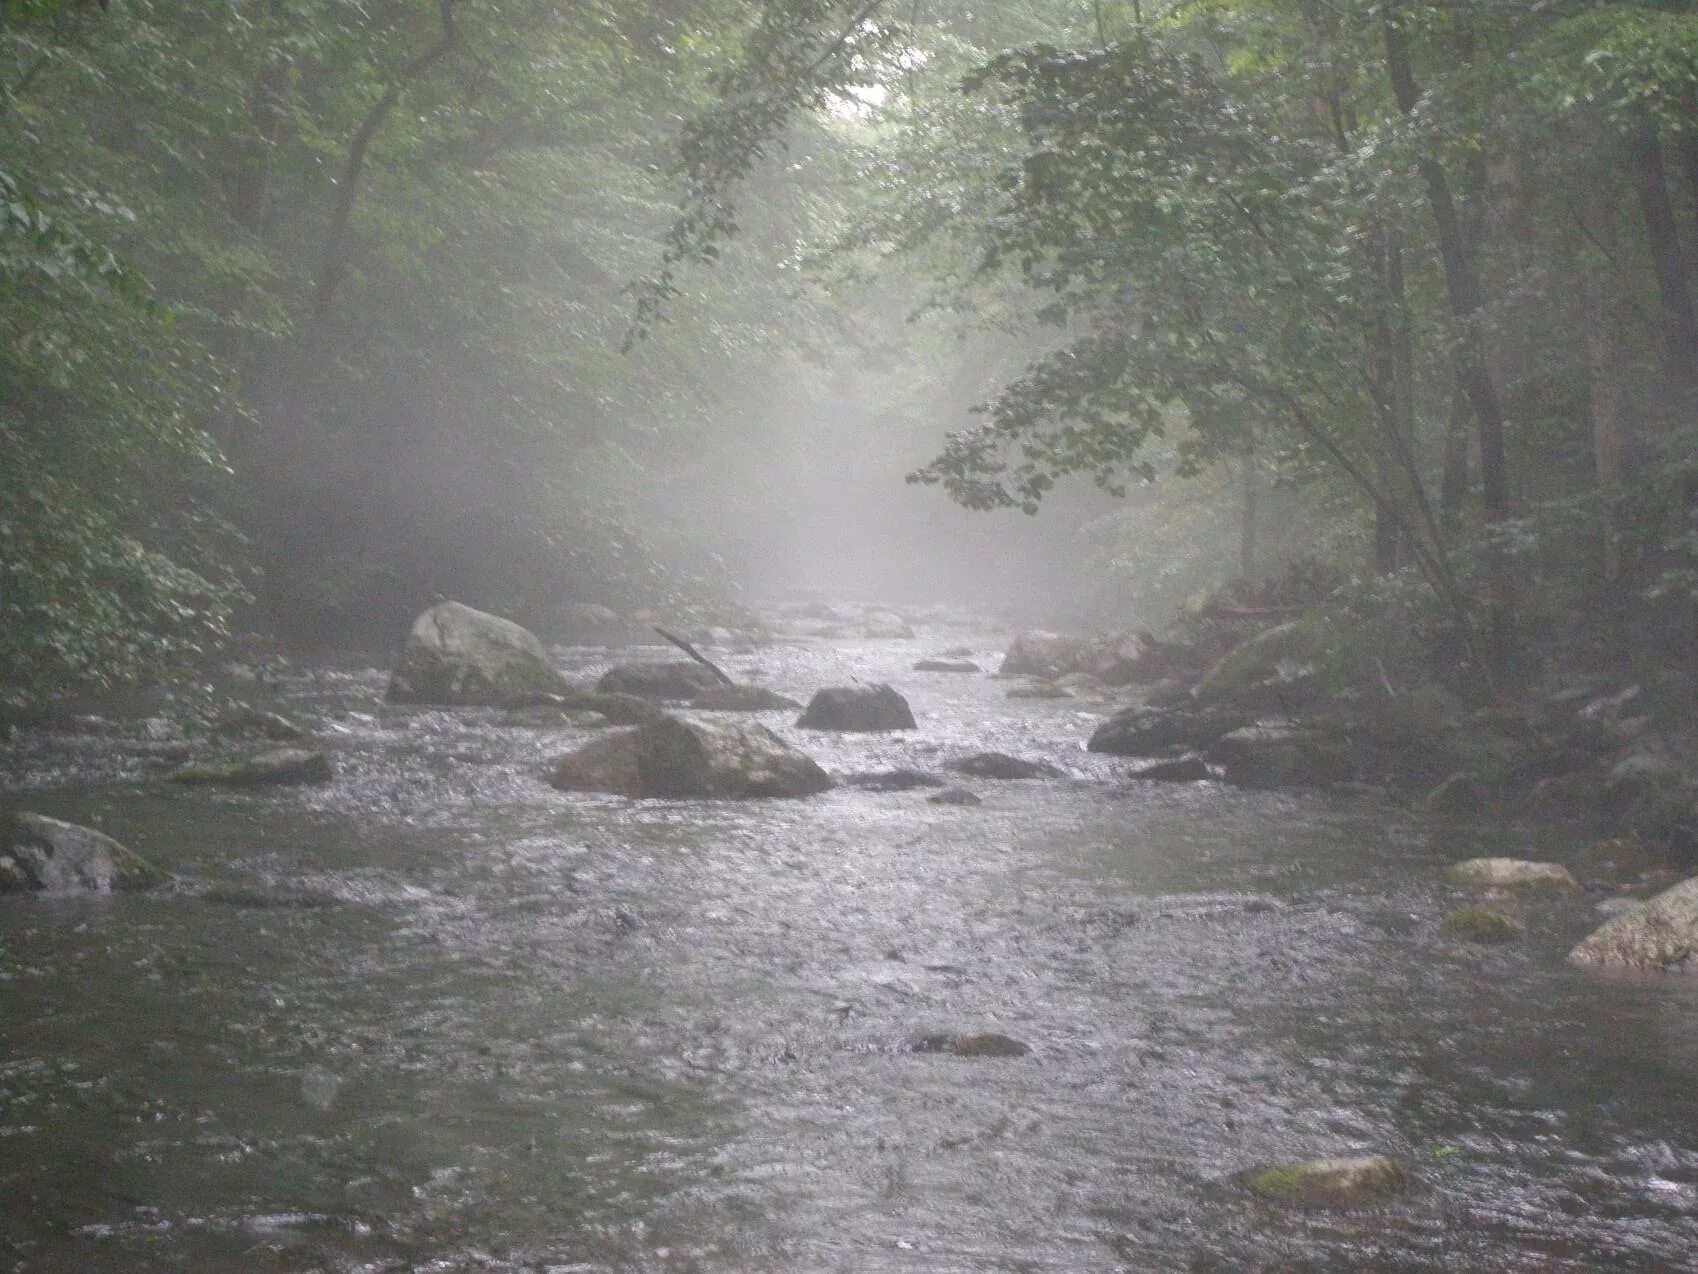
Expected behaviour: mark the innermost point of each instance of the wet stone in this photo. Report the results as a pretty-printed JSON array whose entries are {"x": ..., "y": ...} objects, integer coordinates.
[
  {"x": 893, "y": 780},
  {"x": 46, "y": 855},
  {"x": 1353, "y": 1182},
  {"x": 458, "y": 656},
  {"x": 947, "y": 665},
  {"x": 1511, "y": 873},
  {"x": 742, "y": 699},
  {"x": 249, "y": 722},
  {"x": 280, "y": 767},
  {"x": 1661, "y": 934},
  {"x": 953, "y": 796},
  {"x": 1040, "y": 690},
  {"x": 999, "y": 765},
  {"x": 857, "y": 709},
  {"x": 974, "y": 1044},
  {"x": 1481, "y": 925},
  {"x": 680, "y": 679},
  {"x": 1186, "y": 769}
]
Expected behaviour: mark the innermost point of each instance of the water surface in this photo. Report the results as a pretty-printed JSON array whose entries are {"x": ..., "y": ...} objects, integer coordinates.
[{"x": 439, "y": 1017}]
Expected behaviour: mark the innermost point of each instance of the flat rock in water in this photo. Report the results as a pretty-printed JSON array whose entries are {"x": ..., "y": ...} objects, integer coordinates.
[
  {"x": 893, "y": 780},
  {"x": 620, "y": 709},
  {"x": 975, "y": 1044},
  {"x": 244, "y": 720},
  {"x": 858, "y": 709},
  {"x": 678, "y": 758},
  {"x": 1662, "y": 934},
  {"x": 947, "y": 665},
  {"x": 457, "y": 656},
  {"x": 1511, "y": 873},
  {"x": 1354, "y": 1182},
  {"x": 999, "y": 765},
  {"x": 46, "y": 855},
  {"x": 276, "y": 768},
  {"x": 1186, "y": 769},
  {"x": 1041, "y": 690},
  {"x": 681, "y": 679},
  {"x": 953, "y": 796},
  {"x": 742, "y": 699}
]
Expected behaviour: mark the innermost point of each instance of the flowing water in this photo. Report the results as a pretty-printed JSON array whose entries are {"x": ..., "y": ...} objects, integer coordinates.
[{"x": 439, "y": 1017}]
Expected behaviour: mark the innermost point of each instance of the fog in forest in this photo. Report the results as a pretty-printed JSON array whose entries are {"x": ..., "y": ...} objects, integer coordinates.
[{"x": 861, "y": 636}]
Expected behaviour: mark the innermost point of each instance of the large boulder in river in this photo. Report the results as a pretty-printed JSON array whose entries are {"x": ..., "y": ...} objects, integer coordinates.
[
  {"x": 46, "y": 855},
  {"x": 857, "y": 708},
  {"x": 457, "y": 656},
  {"x": 1270, "y": 667},
  {"x": 679, "y": 679},
  {"x": 1663, "y": 934},
  {"x": 679, "y": 758}
]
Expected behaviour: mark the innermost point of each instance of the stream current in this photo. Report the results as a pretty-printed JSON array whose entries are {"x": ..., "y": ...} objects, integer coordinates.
[{"x": 437, "y": 1016}]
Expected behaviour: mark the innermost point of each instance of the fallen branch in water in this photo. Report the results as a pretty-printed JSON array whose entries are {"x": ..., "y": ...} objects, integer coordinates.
[{"x": 695, "y": 654}]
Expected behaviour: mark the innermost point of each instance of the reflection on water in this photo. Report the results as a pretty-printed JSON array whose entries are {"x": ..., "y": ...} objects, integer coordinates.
[{"x": 439, "y": 1017}]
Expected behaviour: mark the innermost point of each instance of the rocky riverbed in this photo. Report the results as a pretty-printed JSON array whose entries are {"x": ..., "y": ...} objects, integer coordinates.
[{"x": 434, "y": 1014}]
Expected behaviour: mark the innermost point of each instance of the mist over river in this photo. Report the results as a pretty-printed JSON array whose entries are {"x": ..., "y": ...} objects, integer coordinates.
[{"x": 437, "y": 1016}]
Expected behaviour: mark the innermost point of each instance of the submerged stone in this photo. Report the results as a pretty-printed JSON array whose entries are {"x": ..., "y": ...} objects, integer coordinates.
[
  {"x": 953, "y": 796},
  {"x": 974, "y": 1044},
  {"x": 1482, "y": 925},
  {"x": 999, "y": 765},
  {"x": 1186, "y": 769},
  {"x": 277, "y": 768},
  {"x": 1040, "y": 690},
  {"x": 1511, "y": 873},
  {"x": 1352, "y": 1182},
  {"x": 893, "y": 780}
]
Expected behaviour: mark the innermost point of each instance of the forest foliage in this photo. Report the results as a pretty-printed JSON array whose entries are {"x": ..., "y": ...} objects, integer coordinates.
[{"x": 316, "y": 309}]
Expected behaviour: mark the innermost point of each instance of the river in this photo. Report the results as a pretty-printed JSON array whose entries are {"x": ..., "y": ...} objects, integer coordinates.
[{"x": 437, "y": 1016}]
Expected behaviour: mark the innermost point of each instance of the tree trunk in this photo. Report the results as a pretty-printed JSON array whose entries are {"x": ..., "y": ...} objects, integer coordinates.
[
  {"x": 250, "y": 192},
  {"x": 1247, "y": 527},
  {"x": 1656, "y": 208},
  {"x": 1454, "y": 491},
  {"x": 333, "y": 261},
  {"x": 1464, "y": 293}
]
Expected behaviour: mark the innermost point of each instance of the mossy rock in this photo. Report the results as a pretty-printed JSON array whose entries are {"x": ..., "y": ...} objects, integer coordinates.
[
  {"x": 1481, "y": 924},
  {"x": 1512, "y": 873},
  {"x": 1354, "y": 1182},
  {"x": 47, "y": 855}
]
